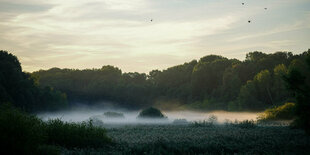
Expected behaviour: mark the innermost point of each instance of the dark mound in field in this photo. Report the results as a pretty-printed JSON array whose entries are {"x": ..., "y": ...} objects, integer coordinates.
[
  {"x": 113, "y": 114},
  {"x": 151, "y": 113}
]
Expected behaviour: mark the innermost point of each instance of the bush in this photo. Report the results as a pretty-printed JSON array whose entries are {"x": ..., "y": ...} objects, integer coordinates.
[
  {"x": 49, "y": 149},
  {"x": 180, "y": 121},
  {"x": 284, "y": 112},
  {"x": 80, "y": 135},
  {"x": 247, "y": 124},
  {"x": 151, "y": 113},
  {"x": 19, "y": 133},
  {"x": 212, "y": 119},
  {"x": 203, "y": 123},
  {"x": 113, "y": 114}
]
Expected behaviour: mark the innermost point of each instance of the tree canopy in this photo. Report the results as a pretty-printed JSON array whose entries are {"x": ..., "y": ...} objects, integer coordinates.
[
  {"x": 21, "y": 89},
  {"x": 214, "y": 81}
]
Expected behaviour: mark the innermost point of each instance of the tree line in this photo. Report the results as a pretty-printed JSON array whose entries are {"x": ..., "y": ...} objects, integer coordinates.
[
  {"x": 211, "y": 83},
  {"x": 22, "y": 90}
]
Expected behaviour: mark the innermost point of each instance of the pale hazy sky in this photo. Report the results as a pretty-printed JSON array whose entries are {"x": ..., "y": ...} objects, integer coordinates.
[{"x": 92, "y": 33}]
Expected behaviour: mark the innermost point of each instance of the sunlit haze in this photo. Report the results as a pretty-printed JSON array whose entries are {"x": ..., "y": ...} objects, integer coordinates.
[{"x": 142, "y": 35}]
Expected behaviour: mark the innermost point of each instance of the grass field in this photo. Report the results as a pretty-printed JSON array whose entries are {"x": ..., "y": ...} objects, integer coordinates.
[{"x": 203, "y": 139}]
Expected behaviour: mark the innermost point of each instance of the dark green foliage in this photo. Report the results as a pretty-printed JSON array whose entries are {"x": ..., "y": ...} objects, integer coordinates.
[
  {"x": 298, "y": 81},
  {"x": 207, "y": 76},
  {"x": 21, "y": 89},
  {"x": 284, "y": 112},
  {"x": 172, "y": 83},
  {"x": 210, "y": 122},
  {"x": 246, "y": 124},
  {"x": 113, "y": 114},
  {"x": 212, "y": 83},
  {"x": 217, "y": 139},
  {"x": 151, "y": 113},
  {"x": 180, "y": 121},
  {"x": 93, "y": 85},
  {"x": 49, "y": 150},
  {"x": 26, "y": 134},
  {"x": 75, "y": 135},
  {"x": 20, "y": 133},
  {"x": 203, "y": 123},
  {"x": 256, "y": 94}
]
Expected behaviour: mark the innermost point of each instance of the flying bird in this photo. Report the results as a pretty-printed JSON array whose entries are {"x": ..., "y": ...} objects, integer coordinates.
[
  {"x": 265, "y": 8},
  {"x": 151, "y": 20},
  {"x": 249, "y": 21},
  {"x": 242, "y": 3}
]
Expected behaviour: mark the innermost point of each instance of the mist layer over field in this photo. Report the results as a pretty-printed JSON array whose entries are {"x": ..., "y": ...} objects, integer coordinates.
[{"x": 84, "y": 113}]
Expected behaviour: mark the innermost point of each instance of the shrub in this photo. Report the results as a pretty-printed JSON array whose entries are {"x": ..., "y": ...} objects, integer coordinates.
[
  {"x": 19, "y": 133},
  {"x": 284, "y": 112},
  {"x": 79, "y": 135},
  {"x": 113, "y": 114},
  {"x": 212, "y": 119},
  {"x": 49, "y": 149},
  {"x": 180, "y": 121},
  {"x": 151, "y": 113},
  {"x": 245, "y": 124},
  {"x": 203, "y": 123}
]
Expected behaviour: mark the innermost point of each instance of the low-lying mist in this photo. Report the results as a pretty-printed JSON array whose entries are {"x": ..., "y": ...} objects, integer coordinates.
[{"x": 83, "y": 113}]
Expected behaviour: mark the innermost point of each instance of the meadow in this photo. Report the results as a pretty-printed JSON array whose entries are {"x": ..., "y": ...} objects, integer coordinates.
[
  {"x": 229, "y": 138},
  {"x": 189, "y": 132}
]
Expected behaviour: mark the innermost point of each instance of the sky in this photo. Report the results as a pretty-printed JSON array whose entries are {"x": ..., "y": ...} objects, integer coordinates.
[{"x": 92, "y": 33}]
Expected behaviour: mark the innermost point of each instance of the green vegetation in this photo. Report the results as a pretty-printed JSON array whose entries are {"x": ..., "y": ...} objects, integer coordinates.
[
  {"x": 112, "y": 114},
  {"x": 284, "y": 112},
  {"x": 212, "y": 83},
  {"x": 151, "y": 113},
  {"x": 298, "y": 80},
  {"x": 20, "y": 133},
  {"x": 211, "y": 121},
  {"x": 22, "y": 90},
  {"x": 216, "y": 139},
  {"x": 180, "y": 121},
  {"x": 72, "y": 135},
  {"x": 26, "y": 134},
  {"x": 246, "y": 124}
]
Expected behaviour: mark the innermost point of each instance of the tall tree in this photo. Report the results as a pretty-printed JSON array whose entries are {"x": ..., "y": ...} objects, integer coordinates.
[{"x": 298, "y": 81}]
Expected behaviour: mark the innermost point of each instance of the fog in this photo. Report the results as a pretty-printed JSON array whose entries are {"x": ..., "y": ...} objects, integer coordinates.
[{"x": 85, "y": 113}]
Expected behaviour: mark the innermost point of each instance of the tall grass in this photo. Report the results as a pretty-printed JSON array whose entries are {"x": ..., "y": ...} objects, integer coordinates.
[
  {"x": 21, "y": 133},
  {"x": 76, "y": 135}
]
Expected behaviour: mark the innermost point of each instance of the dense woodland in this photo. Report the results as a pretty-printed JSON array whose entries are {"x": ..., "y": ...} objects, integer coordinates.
[
  {"x": 21, "y": 90},
  {"x": 214, "y": 82}
]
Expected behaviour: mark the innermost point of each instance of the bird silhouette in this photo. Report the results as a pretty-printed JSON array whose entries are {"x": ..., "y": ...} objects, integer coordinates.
[
  {"x": 265, "y": 8},
  {"x": 242, "y": 3},
  {"x": 151, "y": 20},
  {"x": 249, "y": 21}
]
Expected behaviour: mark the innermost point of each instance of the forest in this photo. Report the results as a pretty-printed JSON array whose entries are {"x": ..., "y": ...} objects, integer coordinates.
[
  {"x": 211, "y": 83},
  {"x": 23, "y": 91}
]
